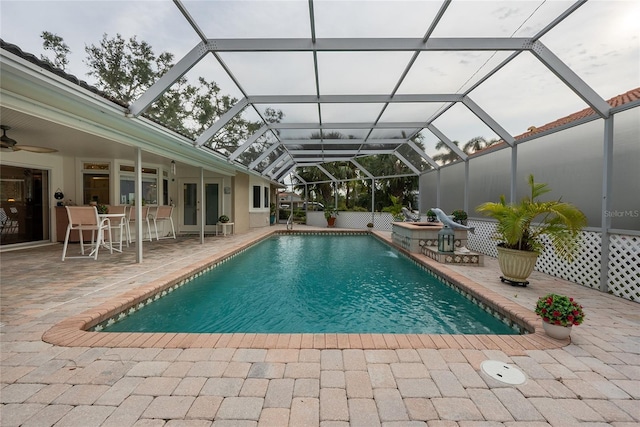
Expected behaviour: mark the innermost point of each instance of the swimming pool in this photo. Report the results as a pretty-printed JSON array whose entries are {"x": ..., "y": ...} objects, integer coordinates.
[{"x": 314, "y": 284}]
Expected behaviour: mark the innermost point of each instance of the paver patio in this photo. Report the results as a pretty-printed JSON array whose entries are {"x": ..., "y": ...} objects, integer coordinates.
[{"x": 261, "y": 380}]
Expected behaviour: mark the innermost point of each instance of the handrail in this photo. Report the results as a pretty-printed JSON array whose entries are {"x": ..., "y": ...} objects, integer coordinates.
[{"x": 290, "y": 222}]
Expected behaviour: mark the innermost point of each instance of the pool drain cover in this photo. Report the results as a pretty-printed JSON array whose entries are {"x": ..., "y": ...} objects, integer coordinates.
[{"x": 503, "y": 372}]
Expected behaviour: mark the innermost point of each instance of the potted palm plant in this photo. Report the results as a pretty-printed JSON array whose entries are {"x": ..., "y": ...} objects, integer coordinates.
[
  {"x": 520, "y": 238},
  {"x": 330, "y": 215}
]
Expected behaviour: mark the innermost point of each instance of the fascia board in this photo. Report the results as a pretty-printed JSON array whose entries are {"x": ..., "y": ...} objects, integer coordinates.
[{"x": 35, "y": 91}]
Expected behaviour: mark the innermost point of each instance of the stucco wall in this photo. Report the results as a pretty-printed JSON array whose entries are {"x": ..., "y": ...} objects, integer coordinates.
[{"x": 240, "y": 202}]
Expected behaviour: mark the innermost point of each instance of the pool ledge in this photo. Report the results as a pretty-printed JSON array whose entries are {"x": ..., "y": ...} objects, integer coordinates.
[{"x": 74, "y": 331}]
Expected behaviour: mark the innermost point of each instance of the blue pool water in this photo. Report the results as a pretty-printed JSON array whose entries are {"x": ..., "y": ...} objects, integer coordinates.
[{"x": 315, "y": 284}]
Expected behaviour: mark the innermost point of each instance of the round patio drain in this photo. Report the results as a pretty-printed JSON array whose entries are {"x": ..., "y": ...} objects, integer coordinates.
[{"x": 503, "y": 372}]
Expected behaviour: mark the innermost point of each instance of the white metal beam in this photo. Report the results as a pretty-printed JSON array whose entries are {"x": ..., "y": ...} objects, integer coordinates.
[
  {"x": 488, "y": 120},
  {"x": 407, "y": 162},
  {"x": 222, "y": 121},
  {"x": 353, "y": 99},
  {"x": 338, "y": 152},
  {"x": 326, "y": 172},
  {"x": 286, "y": 172},
  {"x": 275, "y": 163},
  {"x": 276, "y": 171},
  {"x": 423, "y": 154},
  {"x": 375, "y": 44},
  {"x": 362, "y": 169},
  {"x": 248, "y": 143},
  {"x": 169, "y": 78},
  {"x": 350, "y": 125},
  {"x": 288, "y": 142},
  {"x": 263, "y": 156},
  {"x": 571, "y": 79},
  {"x": 442, "y": 137}
]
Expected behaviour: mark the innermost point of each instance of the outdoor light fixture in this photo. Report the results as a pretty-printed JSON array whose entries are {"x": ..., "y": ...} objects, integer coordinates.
[
  {"x": 173, "y": 167},
  {"x": 446, "y": 239}
]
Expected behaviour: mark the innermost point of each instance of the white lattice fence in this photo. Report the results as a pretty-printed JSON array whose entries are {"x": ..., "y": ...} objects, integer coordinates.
[
  {"x": 624, "y": 266},
  {"x": 585, "y": 268},
  {"x": 624, "y": 259},
  {"x": 358, "y": 220}
]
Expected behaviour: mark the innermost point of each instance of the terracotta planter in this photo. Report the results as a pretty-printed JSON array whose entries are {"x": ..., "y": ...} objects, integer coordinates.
[
  {"x": 516, "y": 265},
  {"x": 556, "y": 331},
  {"x": 331, "y": 222}
]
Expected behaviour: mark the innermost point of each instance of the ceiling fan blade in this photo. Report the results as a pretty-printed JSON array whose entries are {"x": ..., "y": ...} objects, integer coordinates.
[{"x": 34, "y": 149}]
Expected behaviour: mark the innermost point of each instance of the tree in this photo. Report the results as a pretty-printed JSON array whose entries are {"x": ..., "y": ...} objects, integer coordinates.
[
  {"x": 125, "y": 68},
  {"x": 54, "y": 43},
  {"x": 448, "y": 156}
]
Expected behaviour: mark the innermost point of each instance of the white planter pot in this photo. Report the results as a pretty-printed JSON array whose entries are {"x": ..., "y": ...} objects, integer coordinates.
[
  {"x": 516, "y": 265},
  {"x": 556, "y": 331}
]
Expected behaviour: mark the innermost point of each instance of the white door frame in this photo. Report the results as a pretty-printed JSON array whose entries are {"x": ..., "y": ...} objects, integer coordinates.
[{"x": 194, "y": 229}]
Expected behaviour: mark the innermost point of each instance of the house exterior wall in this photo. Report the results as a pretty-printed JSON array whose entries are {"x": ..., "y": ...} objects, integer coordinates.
[
  {"x": 240, "y": 202},
  {"x": 55, "y": 165}
]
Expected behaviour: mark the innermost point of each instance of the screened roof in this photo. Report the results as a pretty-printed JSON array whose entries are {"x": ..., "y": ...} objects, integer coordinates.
[{"x": 354, "y": 79}]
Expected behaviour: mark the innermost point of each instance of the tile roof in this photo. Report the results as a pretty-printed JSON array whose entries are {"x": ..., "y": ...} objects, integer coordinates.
[
  {"x": 616, "y": 101},
  {"x": 57, "y": 71}
]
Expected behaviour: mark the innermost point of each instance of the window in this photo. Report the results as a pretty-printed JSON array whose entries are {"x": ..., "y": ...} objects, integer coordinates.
[
  {"x": 95, "y": 183},
  {"x": 256, "y": 196},
  {"x": 128, "y": 185},
  {"x": 266, "y": 197}
]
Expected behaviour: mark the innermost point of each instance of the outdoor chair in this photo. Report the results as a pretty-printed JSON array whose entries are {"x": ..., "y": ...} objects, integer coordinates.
[
  {"x": 163, "y": 214},
  {"x": 85, "y": 218},
  {"x": 119, "y": 223},
  {"x": 131, "y": 218}
]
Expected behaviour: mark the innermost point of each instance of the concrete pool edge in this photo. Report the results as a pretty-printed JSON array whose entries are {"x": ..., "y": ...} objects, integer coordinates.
[{"x": 73, "y": 331}]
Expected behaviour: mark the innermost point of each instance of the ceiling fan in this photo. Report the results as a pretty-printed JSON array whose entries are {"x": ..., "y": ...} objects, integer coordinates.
[{"x": 9, "y": 144}]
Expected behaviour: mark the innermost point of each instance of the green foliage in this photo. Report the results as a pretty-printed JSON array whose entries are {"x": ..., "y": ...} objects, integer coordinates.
[
  {"x": 125, "y": 68},
  {"x": 102, "y": 209},
  {"x": 395, "y": 209},
  {"x": 60, "y": 50},
  {"x": 559, "y": 310},
  {"x": 561, "y": 222},
  {"x": 330, "y": 212},
  {"x": 459, "y": 215}
]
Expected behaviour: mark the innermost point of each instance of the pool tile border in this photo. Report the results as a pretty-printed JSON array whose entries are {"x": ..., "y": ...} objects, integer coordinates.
[{"x": 75, "y": 331}]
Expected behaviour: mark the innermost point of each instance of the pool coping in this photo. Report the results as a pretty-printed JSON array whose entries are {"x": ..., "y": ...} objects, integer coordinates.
[{"x": 74, "y": 331}]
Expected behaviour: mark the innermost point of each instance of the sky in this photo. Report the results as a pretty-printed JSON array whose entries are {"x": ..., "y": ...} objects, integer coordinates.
[{"x": 600, "y": 42}]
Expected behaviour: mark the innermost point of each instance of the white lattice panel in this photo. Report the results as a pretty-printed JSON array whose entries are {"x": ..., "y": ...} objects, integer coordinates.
[
  {"x": 359, "y": 220},
  {"x": 585, "y": 268},
  {"x": 624, "y": 266},
  {"x": 482, "y": 241},
  {"x": 624, "y": 259}
]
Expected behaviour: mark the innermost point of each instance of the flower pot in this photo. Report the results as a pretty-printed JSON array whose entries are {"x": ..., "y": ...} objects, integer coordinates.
[
  {"x": 556, "y": 331},
  {"x": 331, "y": 221},
  {"x": 516, "y": 265}
]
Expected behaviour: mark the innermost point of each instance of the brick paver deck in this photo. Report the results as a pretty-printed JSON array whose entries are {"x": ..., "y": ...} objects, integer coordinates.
[{"x": 294, "y": 379}]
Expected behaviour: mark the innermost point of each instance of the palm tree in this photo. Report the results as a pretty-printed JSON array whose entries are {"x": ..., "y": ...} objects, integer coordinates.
[
  {"x": 561, "y": 222},
  {"x": 448, "y": 156}
]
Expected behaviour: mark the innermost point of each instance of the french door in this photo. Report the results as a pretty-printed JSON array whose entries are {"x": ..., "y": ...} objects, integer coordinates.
[
  {"x": 24, "y": 205},
  {"x": 190, "y": 204}
]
